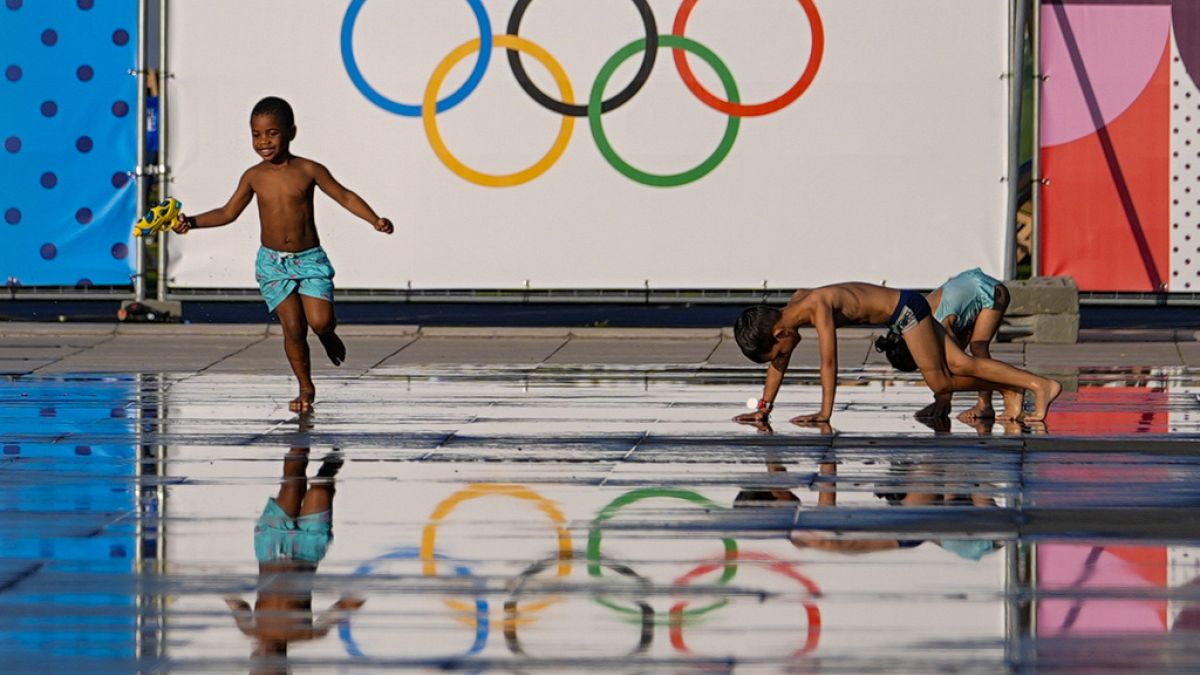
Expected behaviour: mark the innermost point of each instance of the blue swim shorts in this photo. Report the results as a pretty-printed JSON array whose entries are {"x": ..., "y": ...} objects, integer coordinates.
[
  {"x": 908, "y": 313},
  {"x": 281, "y": 273},
  {"x": 278, "y": 536},
  {"x": 965, "y": 296}
]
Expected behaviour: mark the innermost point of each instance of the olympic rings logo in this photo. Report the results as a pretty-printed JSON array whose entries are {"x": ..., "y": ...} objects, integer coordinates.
[{"x": 597, "y": 105}]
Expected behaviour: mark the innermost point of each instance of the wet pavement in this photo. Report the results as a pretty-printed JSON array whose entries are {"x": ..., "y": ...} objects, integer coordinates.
[{"x": 580, "y": 502}]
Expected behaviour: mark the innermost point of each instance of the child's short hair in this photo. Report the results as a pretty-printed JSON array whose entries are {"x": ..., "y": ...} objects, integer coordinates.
[
  {"x": 276, "y": 107},
  {"x": 896, "y": 350},
  {"x": 754, "y": 331}
]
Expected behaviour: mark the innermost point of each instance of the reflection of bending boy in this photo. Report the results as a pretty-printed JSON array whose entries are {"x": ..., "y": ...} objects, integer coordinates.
[{"x": 290, "y": 539}]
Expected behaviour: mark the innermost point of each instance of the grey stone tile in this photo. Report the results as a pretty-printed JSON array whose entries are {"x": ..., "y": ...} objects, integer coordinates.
[
  {"x": 168, "y": 353},
  {"x": 1106, "y": 354},
  {"x": 362, "y": 353},
  {"x": 600, "y": 351},
  {"x": 1190, "y": 353},
  {"x": 469, "y": 350}
]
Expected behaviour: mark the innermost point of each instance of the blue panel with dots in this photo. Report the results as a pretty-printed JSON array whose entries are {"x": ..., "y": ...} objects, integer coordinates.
[{"x": 69, "y": 141}]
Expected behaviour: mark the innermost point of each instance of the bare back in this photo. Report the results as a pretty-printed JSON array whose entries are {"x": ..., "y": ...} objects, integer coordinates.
[
  {"x": 284, "y": 193},
  {"x": 852, "y": 303}
]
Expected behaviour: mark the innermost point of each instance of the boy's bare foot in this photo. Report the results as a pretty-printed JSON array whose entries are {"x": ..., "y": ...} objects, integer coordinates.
[
  {"x": 335, "y": 349},
  {"x": 304, "y": 402},
  {"x": 978, "y": 412},
  {"x": 1014, "y": 401},
  {"x": 1047, "y": 390}
]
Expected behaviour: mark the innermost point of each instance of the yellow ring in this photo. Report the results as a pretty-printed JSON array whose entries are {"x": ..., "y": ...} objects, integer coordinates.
[
  {"x": 429, "y": 113},
  {"x": 429, "y": 537}
]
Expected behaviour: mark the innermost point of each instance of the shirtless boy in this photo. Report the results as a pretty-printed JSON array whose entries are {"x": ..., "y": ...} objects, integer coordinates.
[{"x": 292, "y": 270}]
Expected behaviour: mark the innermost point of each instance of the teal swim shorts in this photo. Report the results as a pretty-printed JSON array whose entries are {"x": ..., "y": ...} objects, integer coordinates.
[
  {"x": 281, "y": 273},
  {"x": 278, "y": 536},
  {"x": 965, "y": 296}
]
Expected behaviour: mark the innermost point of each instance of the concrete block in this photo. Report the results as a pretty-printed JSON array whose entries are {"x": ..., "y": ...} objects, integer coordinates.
[
  {"x": 1045, "y": 328},
  {"x": 1043, "y": 295}
]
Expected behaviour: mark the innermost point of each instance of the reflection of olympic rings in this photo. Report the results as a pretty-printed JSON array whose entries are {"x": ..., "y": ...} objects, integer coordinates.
[
  {"x": 595, "y": 534},
  {"x": 482, "y": 627},
  {"x": 812, "y": 612},
  {"x": 429, "y": 117},
  {"x": 443, "y": 509},
  {"x": 732, "y": 107},
  {"x": 635, "y": 85},
  {"x": 597, "y": 104},
  {"x": 408, "y": 109},
  {"x": 511, "y": 612}
]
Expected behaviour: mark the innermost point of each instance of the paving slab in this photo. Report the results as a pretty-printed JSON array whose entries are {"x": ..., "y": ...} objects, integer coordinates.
[
  {"x": 604, "y": 351},
  {"x": 1108, "y": 354},
  {"x": 267, "y": 356},
  {"x": 475, "y": 350},
  {"x": 145, "y": 353}
]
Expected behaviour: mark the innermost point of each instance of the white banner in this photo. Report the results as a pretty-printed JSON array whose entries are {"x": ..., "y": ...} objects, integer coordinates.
[{"x": 886, "y": 166}]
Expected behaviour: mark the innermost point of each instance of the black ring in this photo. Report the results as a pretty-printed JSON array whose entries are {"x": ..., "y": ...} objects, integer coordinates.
[
  {"x": 574, "y": 110},
  {"x": 645, "y": 639}
]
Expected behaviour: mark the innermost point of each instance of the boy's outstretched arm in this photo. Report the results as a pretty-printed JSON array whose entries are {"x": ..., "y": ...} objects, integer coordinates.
[
  {"x": 822, "y": 320},
  {"x": 222, "y": 216},
  {"x": 775, "y": 372},
  {"x": 348, "y": 199}
]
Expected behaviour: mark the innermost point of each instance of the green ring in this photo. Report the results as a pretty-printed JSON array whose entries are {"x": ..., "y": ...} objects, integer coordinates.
[
  {"x": 595, "y": 569},
  {"x": 596, "y": 98}
]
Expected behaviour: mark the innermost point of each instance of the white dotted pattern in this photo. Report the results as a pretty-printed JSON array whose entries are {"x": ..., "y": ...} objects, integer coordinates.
[
  {"x": 1185, "y": 178},
  {"x": 1183, "y": 569}
]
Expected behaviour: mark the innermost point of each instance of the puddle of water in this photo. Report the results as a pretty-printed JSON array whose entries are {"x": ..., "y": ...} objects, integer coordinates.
[{"x": 621, "y": 523}]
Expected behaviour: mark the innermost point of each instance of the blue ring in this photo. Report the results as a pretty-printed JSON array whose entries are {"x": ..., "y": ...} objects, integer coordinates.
[
  {"x": 407, "y": 109},
  {"x": 482, "y": 629}
]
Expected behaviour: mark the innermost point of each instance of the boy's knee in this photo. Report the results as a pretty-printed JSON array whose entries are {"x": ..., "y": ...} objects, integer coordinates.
[
  {"x": 294, "y": 329},
  {"x": 323, "y": 325},
  {"x": 938, "y": 382}
]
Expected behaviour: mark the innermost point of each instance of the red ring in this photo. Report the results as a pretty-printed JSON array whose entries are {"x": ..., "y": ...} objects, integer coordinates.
[
  {"x": 816, "y": 52},
  {"x": 811, "y": 610}
]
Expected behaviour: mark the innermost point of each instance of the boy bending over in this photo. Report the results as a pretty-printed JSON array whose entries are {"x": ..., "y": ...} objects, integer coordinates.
[
  {"x": 292, "y": 270},
  {"x": 769, "y": 335}
]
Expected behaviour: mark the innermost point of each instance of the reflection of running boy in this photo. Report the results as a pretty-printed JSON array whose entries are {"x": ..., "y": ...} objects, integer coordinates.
[
  {"x": 290, "y": 539},
  {"x": 970, "y": 306},
  {"x": 769, "y": 335},
  {"x": 292, "y": 270}
]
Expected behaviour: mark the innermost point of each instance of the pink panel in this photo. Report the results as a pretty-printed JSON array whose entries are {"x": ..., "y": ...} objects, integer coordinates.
[{"x": 1121, "y": 47}]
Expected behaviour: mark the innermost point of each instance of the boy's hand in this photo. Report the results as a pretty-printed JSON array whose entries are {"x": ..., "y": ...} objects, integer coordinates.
[
  {"x": 759, "y": 419},
  {"x": 809, "y": 420},
  {"x": 181, "y": 225},
  {"x": 384, "y": 225}
]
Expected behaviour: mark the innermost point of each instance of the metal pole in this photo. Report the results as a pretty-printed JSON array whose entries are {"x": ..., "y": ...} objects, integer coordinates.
[
  {"x": 1016, "y": 86},
  {"x": 1035, "y": 239},
  {"x": 139, "y": 172},
  {"x": 164, "y": 170}
]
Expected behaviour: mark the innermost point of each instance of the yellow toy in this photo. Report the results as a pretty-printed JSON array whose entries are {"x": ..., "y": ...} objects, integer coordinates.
[{"x": 158, "y": 218}]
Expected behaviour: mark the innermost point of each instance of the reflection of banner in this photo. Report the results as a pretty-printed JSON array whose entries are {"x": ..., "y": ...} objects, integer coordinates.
[
  {"x": 477, "y": 491},
  {"x": 69, "y": 137},
  {"x": 595, "y": 537},
  {"x": 803, "y": 127},
  {"x": 1121, "y": 144},
  {"x": 812, "y": 613},
  {"x": 480, "y": 622}
]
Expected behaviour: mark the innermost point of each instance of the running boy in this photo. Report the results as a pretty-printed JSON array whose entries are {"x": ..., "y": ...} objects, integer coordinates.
[
  {"x": 769, "y": 335},
  {"x": 292, "y": 270}
]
